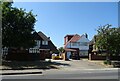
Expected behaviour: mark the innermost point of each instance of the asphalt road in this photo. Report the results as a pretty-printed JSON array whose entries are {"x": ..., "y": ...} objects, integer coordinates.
[
  {"x": 71, "y": 74},
  {"x": 72, "y": 70}
]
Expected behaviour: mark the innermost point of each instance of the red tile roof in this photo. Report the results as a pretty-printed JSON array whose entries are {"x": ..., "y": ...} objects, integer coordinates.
[{"x": 75, "y": 38}]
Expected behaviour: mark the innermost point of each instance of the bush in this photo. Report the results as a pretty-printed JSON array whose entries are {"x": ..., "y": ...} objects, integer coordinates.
[{"x": 107, "y": 62}]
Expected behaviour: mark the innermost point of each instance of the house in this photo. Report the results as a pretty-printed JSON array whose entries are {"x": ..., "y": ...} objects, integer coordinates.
[
  {"x": 98, "y": 54},
  {"x": 44, "y": 46},
  {"x": 92, "y": 47},
  {"x": 76, "y": 46},
  {"x": 43, "y": 49}
]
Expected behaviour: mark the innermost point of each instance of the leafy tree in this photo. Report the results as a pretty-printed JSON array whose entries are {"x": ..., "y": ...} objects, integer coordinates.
[
  {"x": 61, "y": 50},
  {"x": 17, "y": 27},
  {"x": 108, "y": 39}
]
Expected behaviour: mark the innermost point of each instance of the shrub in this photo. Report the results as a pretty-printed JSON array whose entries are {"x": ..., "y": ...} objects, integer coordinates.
[{"x": 107, "y": 62}]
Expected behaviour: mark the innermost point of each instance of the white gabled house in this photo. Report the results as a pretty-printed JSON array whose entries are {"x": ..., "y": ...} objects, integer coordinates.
[{"x": 76, "y": 46}]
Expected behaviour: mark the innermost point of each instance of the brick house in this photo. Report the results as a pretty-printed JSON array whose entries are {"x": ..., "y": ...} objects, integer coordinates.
[
  {"x": 44, "y": 45},
  {"x": 76, "y": 46},
  {"x": 43, "y": 49}
]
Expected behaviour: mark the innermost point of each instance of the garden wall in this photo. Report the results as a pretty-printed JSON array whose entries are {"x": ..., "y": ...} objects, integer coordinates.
[{"x": 98, "y": 57}]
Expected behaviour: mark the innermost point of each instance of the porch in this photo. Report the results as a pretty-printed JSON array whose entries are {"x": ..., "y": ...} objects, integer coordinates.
[{"x": 71, "y": 53}]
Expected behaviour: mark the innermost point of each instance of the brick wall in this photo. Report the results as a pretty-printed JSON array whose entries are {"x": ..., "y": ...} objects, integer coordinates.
[{"x": 96, "y": 57}]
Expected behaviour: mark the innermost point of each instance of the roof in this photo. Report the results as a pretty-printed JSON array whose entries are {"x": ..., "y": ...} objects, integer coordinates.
[
  {"x": 75, "y": 38},
  {"x": 44, "y": 47},
  {"x": 43, "y": 36},
  {"x": 53, "y": 48},
  {"x": 93, "y": 40},
  {"x": 68, "y": 49},
  {"x": 68, "y": 35}
]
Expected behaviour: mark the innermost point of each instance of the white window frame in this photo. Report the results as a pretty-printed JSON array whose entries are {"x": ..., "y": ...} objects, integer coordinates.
[
  {"x": 83, "y": 43},
  {"x": 44, "y": 42},
  {"x": 76, "y": 44},
  {"x": 38, "y": 42}
]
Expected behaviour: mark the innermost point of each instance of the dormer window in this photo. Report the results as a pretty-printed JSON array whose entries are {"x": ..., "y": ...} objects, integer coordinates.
[{"x": 44, "y": 42}]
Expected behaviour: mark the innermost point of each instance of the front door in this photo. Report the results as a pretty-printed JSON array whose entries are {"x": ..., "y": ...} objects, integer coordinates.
[
  {"x": 42, "y": 55},
  {"x": 68, "y": 55}
]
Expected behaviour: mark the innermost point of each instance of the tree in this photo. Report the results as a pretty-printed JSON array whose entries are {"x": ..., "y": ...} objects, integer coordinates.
[
  {"x": 108, "y": 39},
  {"x": 115, "y": 41},
  {"x": 17, "y": 27},
  {"x": 61, "y": 50}
]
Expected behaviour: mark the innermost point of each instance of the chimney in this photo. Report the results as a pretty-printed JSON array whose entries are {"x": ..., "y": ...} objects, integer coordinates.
[
  {"x": 65, "y": 40},
  {"x": 86, "y": 35},
  {"x": 49, "y": 38}
]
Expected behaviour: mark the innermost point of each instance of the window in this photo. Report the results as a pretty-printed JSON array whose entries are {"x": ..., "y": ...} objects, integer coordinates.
[
  {"x": 83, "y": 53},
  {"x": 83, "y": 44},
  {"x": 76, "y": 44},
  {"x": 44, "y": 42},
  {"x": 34, "y": 50},
  {"x": 37, "y": 42}
]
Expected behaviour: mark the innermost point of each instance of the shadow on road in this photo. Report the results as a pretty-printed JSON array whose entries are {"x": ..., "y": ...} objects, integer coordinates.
[{"x": 21, "y": 65}]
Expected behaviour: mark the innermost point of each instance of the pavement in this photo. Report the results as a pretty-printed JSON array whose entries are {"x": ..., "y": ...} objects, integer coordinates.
[
  {"x": 100, "y": 62},
  {"x": 16, "y": 72},
  {"x": 69, "y": 66},
  {"x": 106, "y": 73}
]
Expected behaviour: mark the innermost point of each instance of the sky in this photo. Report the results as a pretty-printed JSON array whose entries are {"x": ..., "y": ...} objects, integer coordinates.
[{"x": 57, "y": 19}]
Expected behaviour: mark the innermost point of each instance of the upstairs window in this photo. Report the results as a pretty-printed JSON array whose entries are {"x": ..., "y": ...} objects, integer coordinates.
[
  {"x": 37, "y": 42},
  {"x": 83, "y": 44},
  {"x": 44, "y": 42},
  {"x": 75, "y": 44}
]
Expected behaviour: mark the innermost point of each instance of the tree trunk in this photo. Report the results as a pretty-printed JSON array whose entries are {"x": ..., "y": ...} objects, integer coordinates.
[{"x": 108, "y": 57}]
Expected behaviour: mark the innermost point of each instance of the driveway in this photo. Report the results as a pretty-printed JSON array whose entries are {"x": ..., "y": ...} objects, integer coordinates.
[{"x": 79, "y": 65}]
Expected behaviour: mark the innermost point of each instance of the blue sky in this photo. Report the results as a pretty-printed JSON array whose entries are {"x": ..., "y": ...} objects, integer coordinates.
[{"x": 57, "y": 19}]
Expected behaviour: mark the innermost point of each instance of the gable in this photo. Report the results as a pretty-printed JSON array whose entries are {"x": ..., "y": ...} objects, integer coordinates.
[
  {"x": 75, "y": 38},
  {"x": 43, "y": 36},
  {"x": 36, "y": 36},
  {"x": 83, "y": 39}
]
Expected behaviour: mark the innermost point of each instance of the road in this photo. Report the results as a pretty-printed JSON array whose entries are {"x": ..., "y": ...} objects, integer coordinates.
[
  {"x": 72, "y": 74},
  {"x": 72, "y": 70}
]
